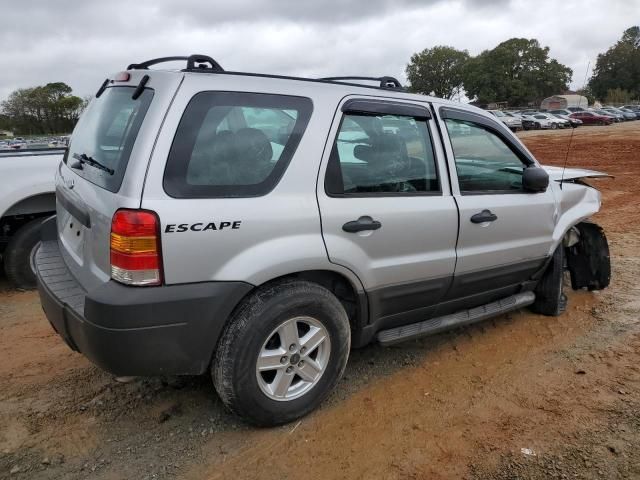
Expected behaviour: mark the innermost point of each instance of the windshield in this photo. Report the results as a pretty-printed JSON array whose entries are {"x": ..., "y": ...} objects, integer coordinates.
[
  {"x": 498, "y": 114},
  {"x": 106, "y": 133}
]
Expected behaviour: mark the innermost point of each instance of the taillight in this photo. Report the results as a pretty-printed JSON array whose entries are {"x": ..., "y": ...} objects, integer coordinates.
[{"x": 135, "y": 248}]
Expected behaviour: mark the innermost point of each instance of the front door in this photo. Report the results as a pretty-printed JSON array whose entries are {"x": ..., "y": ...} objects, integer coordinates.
[
  {"x": 387, "y": 212},
  {"x": 505, "y": 232}
]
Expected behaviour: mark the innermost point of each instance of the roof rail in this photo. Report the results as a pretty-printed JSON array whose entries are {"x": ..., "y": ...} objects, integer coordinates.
[
  {"x": 195, "y": 63},
  {"x": 206, "y": 64},
  {"x": 385, "y": 82}
]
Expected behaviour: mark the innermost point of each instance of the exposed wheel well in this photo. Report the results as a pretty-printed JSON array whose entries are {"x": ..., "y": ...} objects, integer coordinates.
[
  {"x": 21, "y": 213},
  {"x": 354, "y": 304},
  {"x": 9, "y": 225},
  {"x": 342, "y": 288}
]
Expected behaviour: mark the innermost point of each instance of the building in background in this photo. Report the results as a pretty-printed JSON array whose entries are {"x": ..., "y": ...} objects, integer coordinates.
[{"x": 569, "y": 99}]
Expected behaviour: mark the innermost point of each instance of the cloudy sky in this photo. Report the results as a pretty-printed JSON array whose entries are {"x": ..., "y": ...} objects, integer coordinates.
[{"x": 80, "y": 41}]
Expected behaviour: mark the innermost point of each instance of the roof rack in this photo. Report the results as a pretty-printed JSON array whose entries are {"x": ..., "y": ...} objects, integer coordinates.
[
  {"x": 195, "y": 63},
  {"x": 206, "y": 64},
  {"x": 385, "y": 82}
]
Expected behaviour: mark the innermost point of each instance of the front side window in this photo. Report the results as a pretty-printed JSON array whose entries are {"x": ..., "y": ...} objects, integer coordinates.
[
  {"x": 484, "y": 162},
  {"x": 381, "y": 155},
  {"x": 234, "y": 144}
]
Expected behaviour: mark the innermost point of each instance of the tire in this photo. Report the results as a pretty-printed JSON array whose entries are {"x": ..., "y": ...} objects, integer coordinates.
[
  {"x": 18, "y": 256},
  {"x": 538, "y": 126},
  {"x": 550, "y": 298},
  {"x": 254, "y": 330},
  {"x": 554, "y": 126}
]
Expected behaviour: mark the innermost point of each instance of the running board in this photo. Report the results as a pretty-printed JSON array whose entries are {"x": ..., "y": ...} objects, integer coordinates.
[{"x": 459, "y": 319}]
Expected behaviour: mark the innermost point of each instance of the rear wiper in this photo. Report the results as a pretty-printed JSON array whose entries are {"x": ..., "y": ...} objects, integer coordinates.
[{"x": 83, "y": 158}]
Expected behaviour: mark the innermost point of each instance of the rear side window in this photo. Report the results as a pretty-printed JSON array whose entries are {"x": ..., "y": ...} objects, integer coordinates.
[
  {"x": 106, "y": 133},
  {"x": 231, "y": 144}
]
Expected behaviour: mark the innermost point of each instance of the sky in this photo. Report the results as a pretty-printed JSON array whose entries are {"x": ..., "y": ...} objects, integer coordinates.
[{"x": 81, "y": 42}]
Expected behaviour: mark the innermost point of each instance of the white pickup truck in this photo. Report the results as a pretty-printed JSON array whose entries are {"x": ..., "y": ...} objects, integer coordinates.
[{"x": 27, "y": 196}]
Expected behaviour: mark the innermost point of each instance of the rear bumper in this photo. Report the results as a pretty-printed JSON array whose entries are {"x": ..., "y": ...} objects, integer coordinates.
[{"x": 135, "y": 330}]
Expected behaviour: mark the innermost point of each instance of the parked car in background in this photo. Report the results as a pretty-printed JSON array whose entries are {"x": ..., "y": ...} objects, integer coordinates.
[
  {"x": 625, "y": 116},
  {"x": 576, "y": 109},
  {"x": 27, "y": 197},
  {"x": 550, "y": 121},
  {"x": 513, "y": 123},
  {"x": 617, "y": 117},
  {"x": 634, "y": 108},
  {"x": 537, "y": 124},
  {"x": 630, "y": 110},
  {"x": 573, "y": 122},
  {"x": 635, "y": 113},
  {"x": 561, "y": 111},
  {"x": 593, "y": 118},
  {"x": 528, "y": 123}
]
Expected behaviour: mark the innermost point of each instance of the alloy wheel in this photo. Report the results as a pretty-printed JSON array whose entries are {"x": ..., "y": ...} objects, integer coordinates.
[{"x": 293, "y": 358}]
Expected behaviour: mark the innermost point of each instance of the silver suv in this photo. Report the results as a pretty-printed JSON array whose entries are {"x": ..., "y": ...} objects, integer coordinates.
[{"x": 258, "y": 227}]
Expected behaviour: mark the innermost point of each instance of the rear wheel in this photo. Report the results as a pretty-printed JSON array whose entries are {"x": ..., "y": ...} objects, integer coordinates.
[
  {"x": 554, "y": 126},
  {"x": 283, "y": 351},
  {"x": 550, "y": 297},
  {"x": 18, "y": 256}
]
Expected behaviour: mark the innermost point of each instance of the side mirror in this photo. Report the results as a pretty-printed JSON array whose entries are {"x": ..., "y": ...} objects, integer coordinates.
[{"x": 535, "y": 179}]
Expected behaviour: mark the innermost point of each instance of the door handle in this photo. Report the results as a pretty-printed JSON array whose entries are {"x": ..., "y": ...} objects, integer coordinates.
[
  {"x": 363, "y": 223},
  {"x": 484, "y": 216}
]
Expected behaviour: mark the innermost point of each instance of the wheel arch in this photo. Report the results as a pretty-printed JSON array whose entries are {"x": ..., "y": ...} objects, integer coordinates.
[
  {"x": 40, "y": 203},
  {"x": 350, "y": 293},
  {"x": 346, "y": 287}
]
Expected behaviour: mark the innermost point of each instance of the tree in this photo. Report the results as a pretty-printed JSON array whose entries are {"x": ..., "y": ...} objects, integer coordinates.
[
  {"x": 45, "y": 109},
  {"x": 587, "y": 92},
  {"x": 617, "y": 96},
  {"x": 5, "y": 122},
  {"x": 619, "y": 67},
  {"x": 437, "y": 71},
  {"x": 518, "y": 71}
]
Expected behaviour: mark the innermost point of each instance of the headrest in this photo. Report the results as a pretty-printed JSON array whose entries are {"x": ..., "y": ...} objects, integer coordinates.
[
  {"x": 253, "y": 145},
  {"x": 386, "y": 149}
]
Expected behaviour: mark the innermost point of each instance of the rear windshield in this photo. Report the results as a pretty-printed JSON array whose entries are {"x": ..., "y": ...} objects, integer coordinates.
[
  {"x": 232, "y": 144},
  {"x": 106, "y": 133}
]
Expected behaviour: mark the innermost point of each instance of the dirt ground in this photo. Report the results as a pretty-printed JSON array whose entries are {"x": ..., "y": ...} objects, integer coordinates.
[{"x": 518, "y": 397}]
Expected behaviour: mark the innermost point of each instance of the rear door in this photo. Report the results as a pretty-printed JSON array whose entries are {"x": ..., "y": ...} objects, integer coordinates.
[
  {"x": 386, "y": 208},
  {"x": 505, "y": 232},
  {"x": 117, "y": 131}
]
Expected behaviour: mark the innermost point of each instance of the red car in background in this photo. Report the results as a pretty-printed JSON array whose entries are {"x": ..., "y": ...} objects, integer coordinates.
[{"x": 591, "y": 118}]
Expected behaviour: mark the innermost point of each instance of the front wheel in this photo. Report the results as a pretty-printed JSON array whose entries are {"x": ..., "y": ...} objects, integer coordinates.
[
  {"x": 554, "y": 126},
  {"x": 282, "y": 352}
]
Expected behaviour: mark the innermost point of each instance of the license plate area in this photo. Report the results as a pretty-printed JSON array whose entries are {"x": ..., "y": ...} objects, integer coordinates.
[{"x": 72, "y": 234}]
